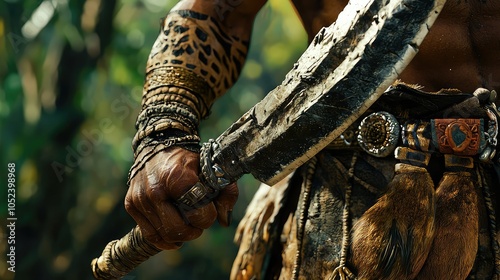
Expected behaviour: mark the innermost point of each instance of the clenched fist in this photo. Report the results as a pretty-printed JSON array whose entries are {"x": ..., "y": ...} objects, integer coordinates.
[{"x": 151, "y": 197}]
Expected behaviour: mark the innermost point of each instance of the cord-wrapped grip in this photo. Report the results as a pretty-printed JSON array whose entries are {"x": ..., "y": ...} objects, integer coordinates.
[{"x": 122, "y": 256}]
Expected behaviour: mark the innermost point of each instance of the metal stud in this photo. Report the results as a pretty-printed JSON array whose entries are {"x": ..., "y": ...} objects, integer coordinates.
[{"x": 378, "y": 134}]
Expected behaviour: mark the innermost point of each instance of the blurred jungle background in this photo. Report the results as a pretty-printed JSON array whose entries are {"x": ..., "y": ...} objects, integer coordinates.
[{"x": 71, "y": 74}]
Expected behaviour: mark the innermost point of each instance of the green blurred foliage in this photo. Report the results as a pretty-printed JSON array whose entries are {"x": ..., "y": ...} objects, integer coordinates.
[{"x": 71, "y": 75}]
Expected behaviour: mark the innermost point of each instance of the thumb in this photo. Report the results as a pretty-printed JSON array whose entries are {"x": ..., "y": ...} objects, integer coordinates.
[{"x": 224, "y": 204}]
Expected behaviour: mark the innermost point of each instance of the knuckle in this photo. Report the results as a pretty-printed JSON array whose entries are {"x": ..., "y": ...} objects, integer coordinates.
[
  {"x": 129, "y": 204},
  {"x": 157, "y": 193},
  {"x": 129, "y": 201}
]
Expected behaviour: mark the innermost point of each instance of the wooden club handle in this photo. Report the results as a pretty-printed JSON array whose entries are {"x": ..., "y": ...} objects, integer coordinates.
[{"x": 121, "y": 256}]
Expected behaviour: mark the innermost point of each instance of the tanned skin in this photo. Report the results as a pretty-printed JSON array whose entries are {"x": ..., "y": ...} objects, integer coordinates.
[{"x": 462, "y": 51}]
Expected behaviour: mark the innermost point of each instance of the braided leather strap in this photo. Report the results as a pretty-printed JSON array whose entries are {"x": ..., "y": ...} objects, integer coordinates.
[{"x": 153, "y": 145}]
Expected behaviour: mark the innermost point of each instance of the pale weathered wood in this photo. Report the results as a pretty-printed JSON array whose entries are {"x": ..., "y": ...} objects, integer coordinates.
[{"x": 345, "y": 69}]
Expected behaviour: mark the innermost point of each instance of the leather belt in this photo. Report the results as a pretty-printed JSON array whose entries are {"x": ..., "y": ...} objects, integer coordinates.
[{"x": 380, "y": 133}]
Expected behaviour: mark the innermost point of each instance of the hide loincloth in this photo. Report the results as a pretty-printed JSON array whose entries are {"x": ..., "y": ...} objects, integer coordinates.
[{"x": 294, "y": 230}]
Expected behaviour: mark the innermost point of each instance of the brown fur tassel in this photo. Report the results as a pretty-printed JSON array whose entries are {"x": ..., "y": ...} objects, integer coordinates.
[
  {"x": 393, "y": 238},
  {"x": 455, "y": 245}
]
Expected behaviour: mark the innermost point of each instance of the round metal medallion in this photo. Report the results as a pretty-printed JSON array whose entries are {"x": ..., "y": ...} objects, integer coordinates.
[{"x": 378, "y": 134}]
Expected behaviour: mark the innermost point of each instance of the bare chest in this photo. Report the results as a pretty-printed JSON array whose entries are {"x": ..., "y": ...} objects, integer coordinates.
[{"x": 461, "y": 51}]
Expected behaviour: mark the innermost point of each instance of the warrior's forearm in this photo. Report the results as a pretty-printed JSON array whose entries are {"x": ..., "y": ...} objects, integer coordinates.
[{"x": 194, "y": 60}]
